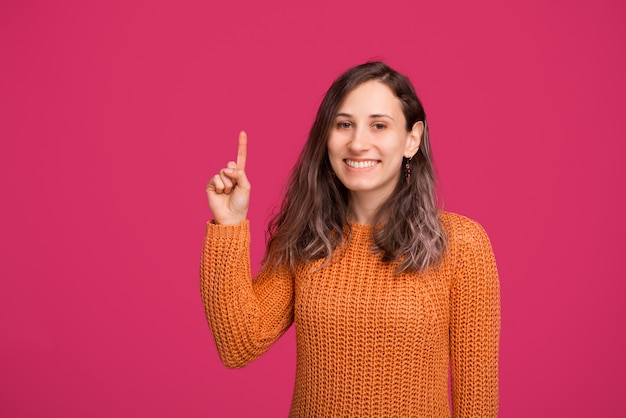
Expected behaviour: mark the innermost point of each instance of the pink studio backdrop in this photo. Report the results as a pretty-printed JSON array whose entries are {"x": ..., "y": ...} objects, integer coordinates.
[{"x": 114, "y": 115}]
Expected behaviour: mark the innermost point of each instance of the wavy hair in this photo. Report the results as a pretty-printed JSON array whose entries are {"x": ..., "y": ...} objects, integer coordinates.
[{"x": 313, "y": 218}]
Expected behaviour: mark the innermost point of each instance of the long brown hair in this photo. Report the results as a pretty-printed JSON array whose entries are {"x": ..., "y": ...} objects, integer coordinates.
[{"x": 313, "y": 218}]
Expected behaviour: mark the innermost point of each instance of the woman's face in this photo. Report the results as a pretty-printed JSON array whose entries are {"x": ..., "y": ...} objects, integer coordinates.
[{"x": 368, "y": 140}]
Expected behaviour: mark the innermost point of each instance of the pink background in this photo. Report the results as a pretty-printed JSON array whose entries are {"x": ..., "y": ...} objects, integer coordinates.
[{"x": 113, "y": 115}]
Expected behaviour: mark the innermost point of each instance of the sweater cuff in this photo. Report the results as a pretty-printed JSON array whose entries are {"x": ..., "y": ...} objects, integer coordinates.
[{"x": 238, "y": 231}]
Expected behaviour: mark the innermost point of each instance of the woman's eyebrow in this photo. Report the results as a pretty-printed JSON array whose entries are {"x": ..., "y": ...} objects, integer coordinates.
[
  {"x": 380, "y": 115},
  {"x": 374, "y": 116}
]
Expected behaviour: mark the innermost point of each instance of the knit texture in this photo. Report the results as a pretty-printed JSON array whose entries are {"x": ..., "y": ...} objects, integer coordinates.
[{"x": 370, "y": 343}]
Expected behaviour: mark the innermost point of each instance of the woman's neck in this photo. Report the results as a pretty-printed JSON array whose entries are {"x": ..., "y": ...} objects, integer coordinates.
[{"x": 364, "y": 206}]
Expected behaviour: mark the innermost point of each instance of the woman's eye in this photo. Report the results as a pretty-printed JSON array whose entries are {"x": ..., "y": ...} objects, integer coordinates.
[
  {"x": 378, "y": 126},
  {"x": 344, "y": 125}
]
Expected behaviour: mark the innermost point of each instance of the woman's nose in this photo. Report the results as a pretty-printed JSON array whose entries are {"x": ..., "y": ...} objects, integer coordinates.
[{"x": 358, "y": 141}]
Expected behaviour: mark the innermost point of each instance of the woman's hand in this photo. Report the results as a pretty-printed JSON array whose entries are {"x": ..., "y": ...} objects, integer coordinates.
[{"x": 229, "y": 190}]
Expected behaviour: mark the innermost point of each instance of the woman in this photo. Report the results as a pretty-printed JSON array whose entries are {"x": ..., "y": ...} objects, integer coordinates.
[{"x": 386, "y": 291}]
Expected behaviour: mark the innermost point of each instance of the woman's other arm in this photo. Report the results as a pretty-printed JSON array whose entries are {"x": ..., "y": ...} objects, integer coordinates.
[{"x": 474, "y": 324}]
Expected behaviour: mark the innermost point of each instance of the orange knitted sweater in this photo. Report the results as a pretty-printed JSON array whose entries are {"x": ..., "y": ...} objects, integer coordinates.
[{"x": 370, "y": 343}]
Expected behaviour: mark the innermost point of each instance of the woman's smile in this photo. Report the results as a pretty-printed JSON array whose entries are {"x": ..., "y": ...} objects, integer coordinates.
[{"x": 359, "y": 164}]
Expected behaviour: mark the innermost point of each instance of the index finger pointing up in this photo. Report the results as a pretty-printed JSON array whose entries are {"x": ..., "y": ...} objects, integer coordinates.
[{"x": 242, "y": 150}]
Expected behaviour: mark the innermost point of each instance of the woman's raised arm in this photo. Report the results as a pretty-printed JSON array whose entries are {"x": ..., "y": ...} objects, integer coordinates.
[{"x": 246, "y": 317}]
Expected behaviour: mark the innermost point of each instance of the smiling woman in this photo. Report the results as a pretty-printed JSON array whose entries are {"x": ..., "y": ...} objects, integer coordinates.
[{"x": 386, "y": 291}]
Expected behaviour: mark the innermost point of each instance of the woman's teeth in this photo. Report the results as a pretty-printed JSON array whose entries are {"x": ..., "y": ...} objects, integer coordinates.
[{"x": 361, "y": 164}]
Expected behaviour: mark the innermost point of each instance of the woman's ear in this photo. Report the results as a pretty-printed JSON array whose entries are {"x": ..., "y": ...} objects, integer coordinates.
[{"x": 414, "y": 139}]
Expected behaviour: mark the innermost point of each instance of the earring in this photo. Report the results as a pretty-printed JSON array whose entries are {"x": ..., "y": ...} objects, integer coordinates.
[{"x": 407, "y": 170}]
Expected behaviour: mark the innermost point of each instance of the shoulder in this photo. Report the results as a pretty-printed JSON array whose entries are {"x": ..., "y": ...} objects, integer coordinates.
[
  {"x": 468, "y": 253},
  {"x": 463, "y": 232}
]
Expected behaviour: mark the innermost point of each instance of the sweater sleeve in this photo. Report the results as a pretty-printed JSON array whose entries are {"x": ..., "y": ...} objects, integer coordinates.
[
  {"x": 474, "y": 325},
  {"x": 246, "y": 317}
]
